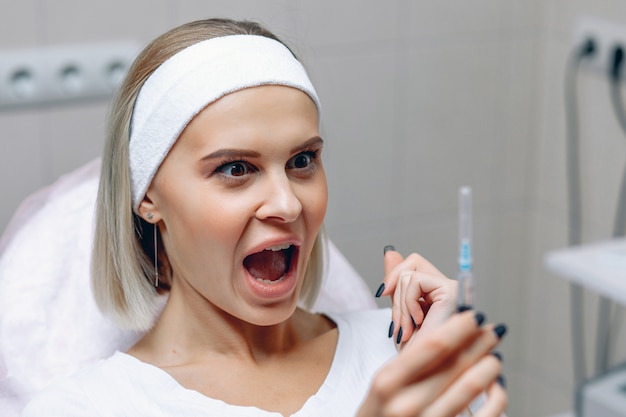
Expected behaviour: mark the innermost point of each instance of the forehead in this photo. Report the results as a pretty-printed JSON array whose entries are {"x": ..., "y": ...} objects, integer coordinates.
[{"x": 256, "y": 112}]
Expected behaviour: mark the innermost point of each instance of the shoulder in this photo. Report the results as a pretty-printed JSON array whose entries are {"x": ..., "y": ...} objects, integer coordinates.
[
  {"x": 88, "y": 392},
  {"x": 63, "y": 398}
]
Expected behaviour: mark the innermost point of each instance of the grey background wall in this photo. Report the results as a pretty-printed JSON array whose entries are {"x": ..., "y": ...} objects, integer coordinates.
[{"x": 419, "y": 98}]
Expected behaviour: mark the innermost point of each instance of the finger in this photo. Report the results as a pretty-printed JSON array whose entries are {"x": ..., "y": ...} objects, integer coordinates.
[
  {"x": 423, "y": 293},
  {"x": 397, "y": 306},
  {"x": 406, "y": 308},
  {"x": 418, "y": 359},
  {"x": 421, "y": 264},
  {"x": 421, "y": 358},
  {"x": 415, "y": 397},
  {"x": 466, "y": 388},
  {"x": 391, "y": 260},
  {"x": 411, "y": 313},
  {"x": 440, "y": 295},
  {"x": 496, "y": 402},
  {"x": 396, "y": 265}
]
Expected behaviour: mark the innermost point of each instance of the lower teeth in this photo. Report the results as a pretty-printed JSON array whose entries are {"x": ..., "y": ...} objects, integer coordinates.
[{"x": 267, "y": 281}]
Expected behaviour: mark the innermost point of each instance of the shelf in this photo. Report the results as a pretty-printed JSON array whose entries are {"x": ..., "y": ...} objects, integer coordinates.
[{"x": 598, "y": 266}]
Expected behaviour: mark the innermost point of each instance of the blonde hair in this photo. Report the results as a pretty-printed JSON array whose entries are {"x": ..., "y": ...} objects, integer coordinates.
[{"x": 123, "y": 271}]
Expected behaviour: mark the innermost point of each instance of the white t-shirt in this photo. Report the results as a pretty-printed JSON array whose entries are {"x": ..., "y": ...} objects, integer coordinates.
[{"x": 125, "y": 386}]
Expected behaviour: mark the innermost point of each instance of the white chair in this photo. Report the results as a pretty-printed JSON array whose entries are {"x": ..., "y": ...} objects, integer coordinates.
[{"x": 49, "y": 323}]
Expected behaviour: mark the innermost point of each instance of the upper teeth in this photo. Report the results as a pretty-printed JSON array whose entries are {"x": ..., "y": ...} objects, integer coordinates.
[{"x": 276, "y": 248}]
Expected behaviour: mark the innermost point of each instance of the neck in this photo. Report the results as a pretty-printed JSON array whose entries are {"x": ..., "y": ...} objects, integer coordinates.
[{"x": 188, "y": 330}]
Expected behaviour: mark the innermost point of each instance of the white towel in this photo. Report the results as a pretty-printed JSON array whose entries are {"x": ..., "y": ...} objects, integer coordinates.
[{"x": 192, "y": 79}]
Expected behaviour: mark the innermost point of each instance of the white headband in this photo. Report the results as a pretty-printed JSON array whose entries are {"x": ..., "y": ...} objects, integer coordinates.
[{"x": 192, "y": 79}]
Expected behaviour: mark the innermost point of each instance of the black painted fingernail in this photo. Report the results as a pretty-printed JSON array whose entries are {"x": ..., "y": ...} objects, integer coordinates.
[
  {"x": 391, "y": 327},
  {"x": 380, "y": 290},
  {"x": 498, "y": 355},
  {"x": 388, "y": 248},
  {"x": 501, "y": 381},
  {"x": 463, "y": 308},
  {"x": 480, "y": 318},
  {"x": 399, "y": 338},
  {"x": 500, "y": 330}
]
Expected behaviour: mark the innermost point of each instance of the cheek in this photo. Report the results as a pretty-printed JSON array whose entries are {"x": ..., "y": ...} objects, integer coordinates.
[
  {"x": 316, "y": 203},
  {"x": 205, "y": 225},
  {"x": 216, "y": 219},
  {"x": 201, "y": 240}
]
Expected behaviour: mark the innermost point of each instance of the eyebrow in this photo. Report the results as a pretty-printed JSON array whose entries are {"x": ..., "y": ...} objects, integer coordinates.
[
  {"x": 231, "y": 153},
  {"x": 238, "y": 153},
  {"x": 314, "y": 141}
]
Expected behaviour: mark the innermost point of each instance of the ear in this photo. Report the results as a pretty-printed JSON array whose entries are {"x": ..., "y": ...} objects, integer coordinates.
[{"x": 148, "y": 210}]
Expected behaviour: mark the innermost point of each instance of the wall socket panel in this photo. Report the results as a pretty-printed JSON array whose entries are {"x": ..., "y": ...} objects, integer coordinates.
[
  {"x": 606, "y": 36},
  {"x": 58, "y": 74}
]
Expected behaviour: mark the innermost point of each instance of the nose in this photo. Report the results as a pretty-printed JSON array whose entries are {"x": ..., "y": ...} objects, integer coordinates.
[{"x": 279, "y": 201}]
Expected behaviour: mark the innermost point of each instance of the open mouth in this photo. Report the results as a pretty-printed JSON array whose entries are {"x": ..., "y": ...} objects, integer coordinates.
[{"x": 271, "y": 265}]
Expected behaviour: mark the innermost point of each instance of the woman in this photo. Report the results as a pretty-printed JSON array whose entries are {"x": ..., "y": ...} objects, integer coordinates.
[{"x": 214, "y": 193}]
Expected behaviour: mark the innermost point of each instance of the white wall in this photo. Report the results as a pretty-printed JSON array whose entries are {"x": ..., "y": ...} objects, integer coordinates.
[
  {"x": 419, "y": 97},
  {"x": 548, "y": 364}
]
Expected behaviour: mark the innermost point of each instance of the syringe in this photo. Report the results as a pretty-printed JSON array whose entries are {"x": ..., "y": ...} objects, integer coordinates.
[{"x": 465, "y": 276}]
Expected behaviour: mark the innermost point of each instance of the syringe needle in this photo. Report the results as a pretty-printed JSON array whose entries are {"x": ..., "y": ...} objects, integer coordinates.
[{"x": 465, "y": 276}]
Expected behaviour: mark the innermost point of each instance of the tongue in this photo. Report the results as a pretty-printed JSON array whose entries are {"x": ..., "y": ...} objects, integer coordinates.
[{"x": 267, "y": 265}]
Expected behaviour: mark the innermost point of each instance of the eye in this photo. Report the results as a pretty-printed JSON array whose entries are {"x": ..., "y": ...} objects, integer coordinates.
[
  {"x": 302, "y": 160},
  {"x": 235, "y": 169}
]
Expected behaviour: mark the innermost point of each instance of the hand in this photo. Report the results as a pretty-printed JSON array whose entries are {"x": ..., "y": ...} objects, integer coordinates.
[
  {"x": 422, "y": 297},
  {"x": 440, "y": 373}
]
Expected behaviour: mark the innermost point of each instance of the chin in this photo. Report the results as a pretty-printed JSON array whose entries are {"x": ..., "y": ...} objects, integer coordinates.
[{"x": 272, "y": 315}]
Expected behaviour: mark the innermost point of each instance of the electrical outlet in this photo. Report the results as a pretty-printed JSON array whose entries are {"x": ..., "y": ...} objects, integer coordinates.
[
  {"x": 606, "y": 36},
  {"x": 58, "y": 74}
]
